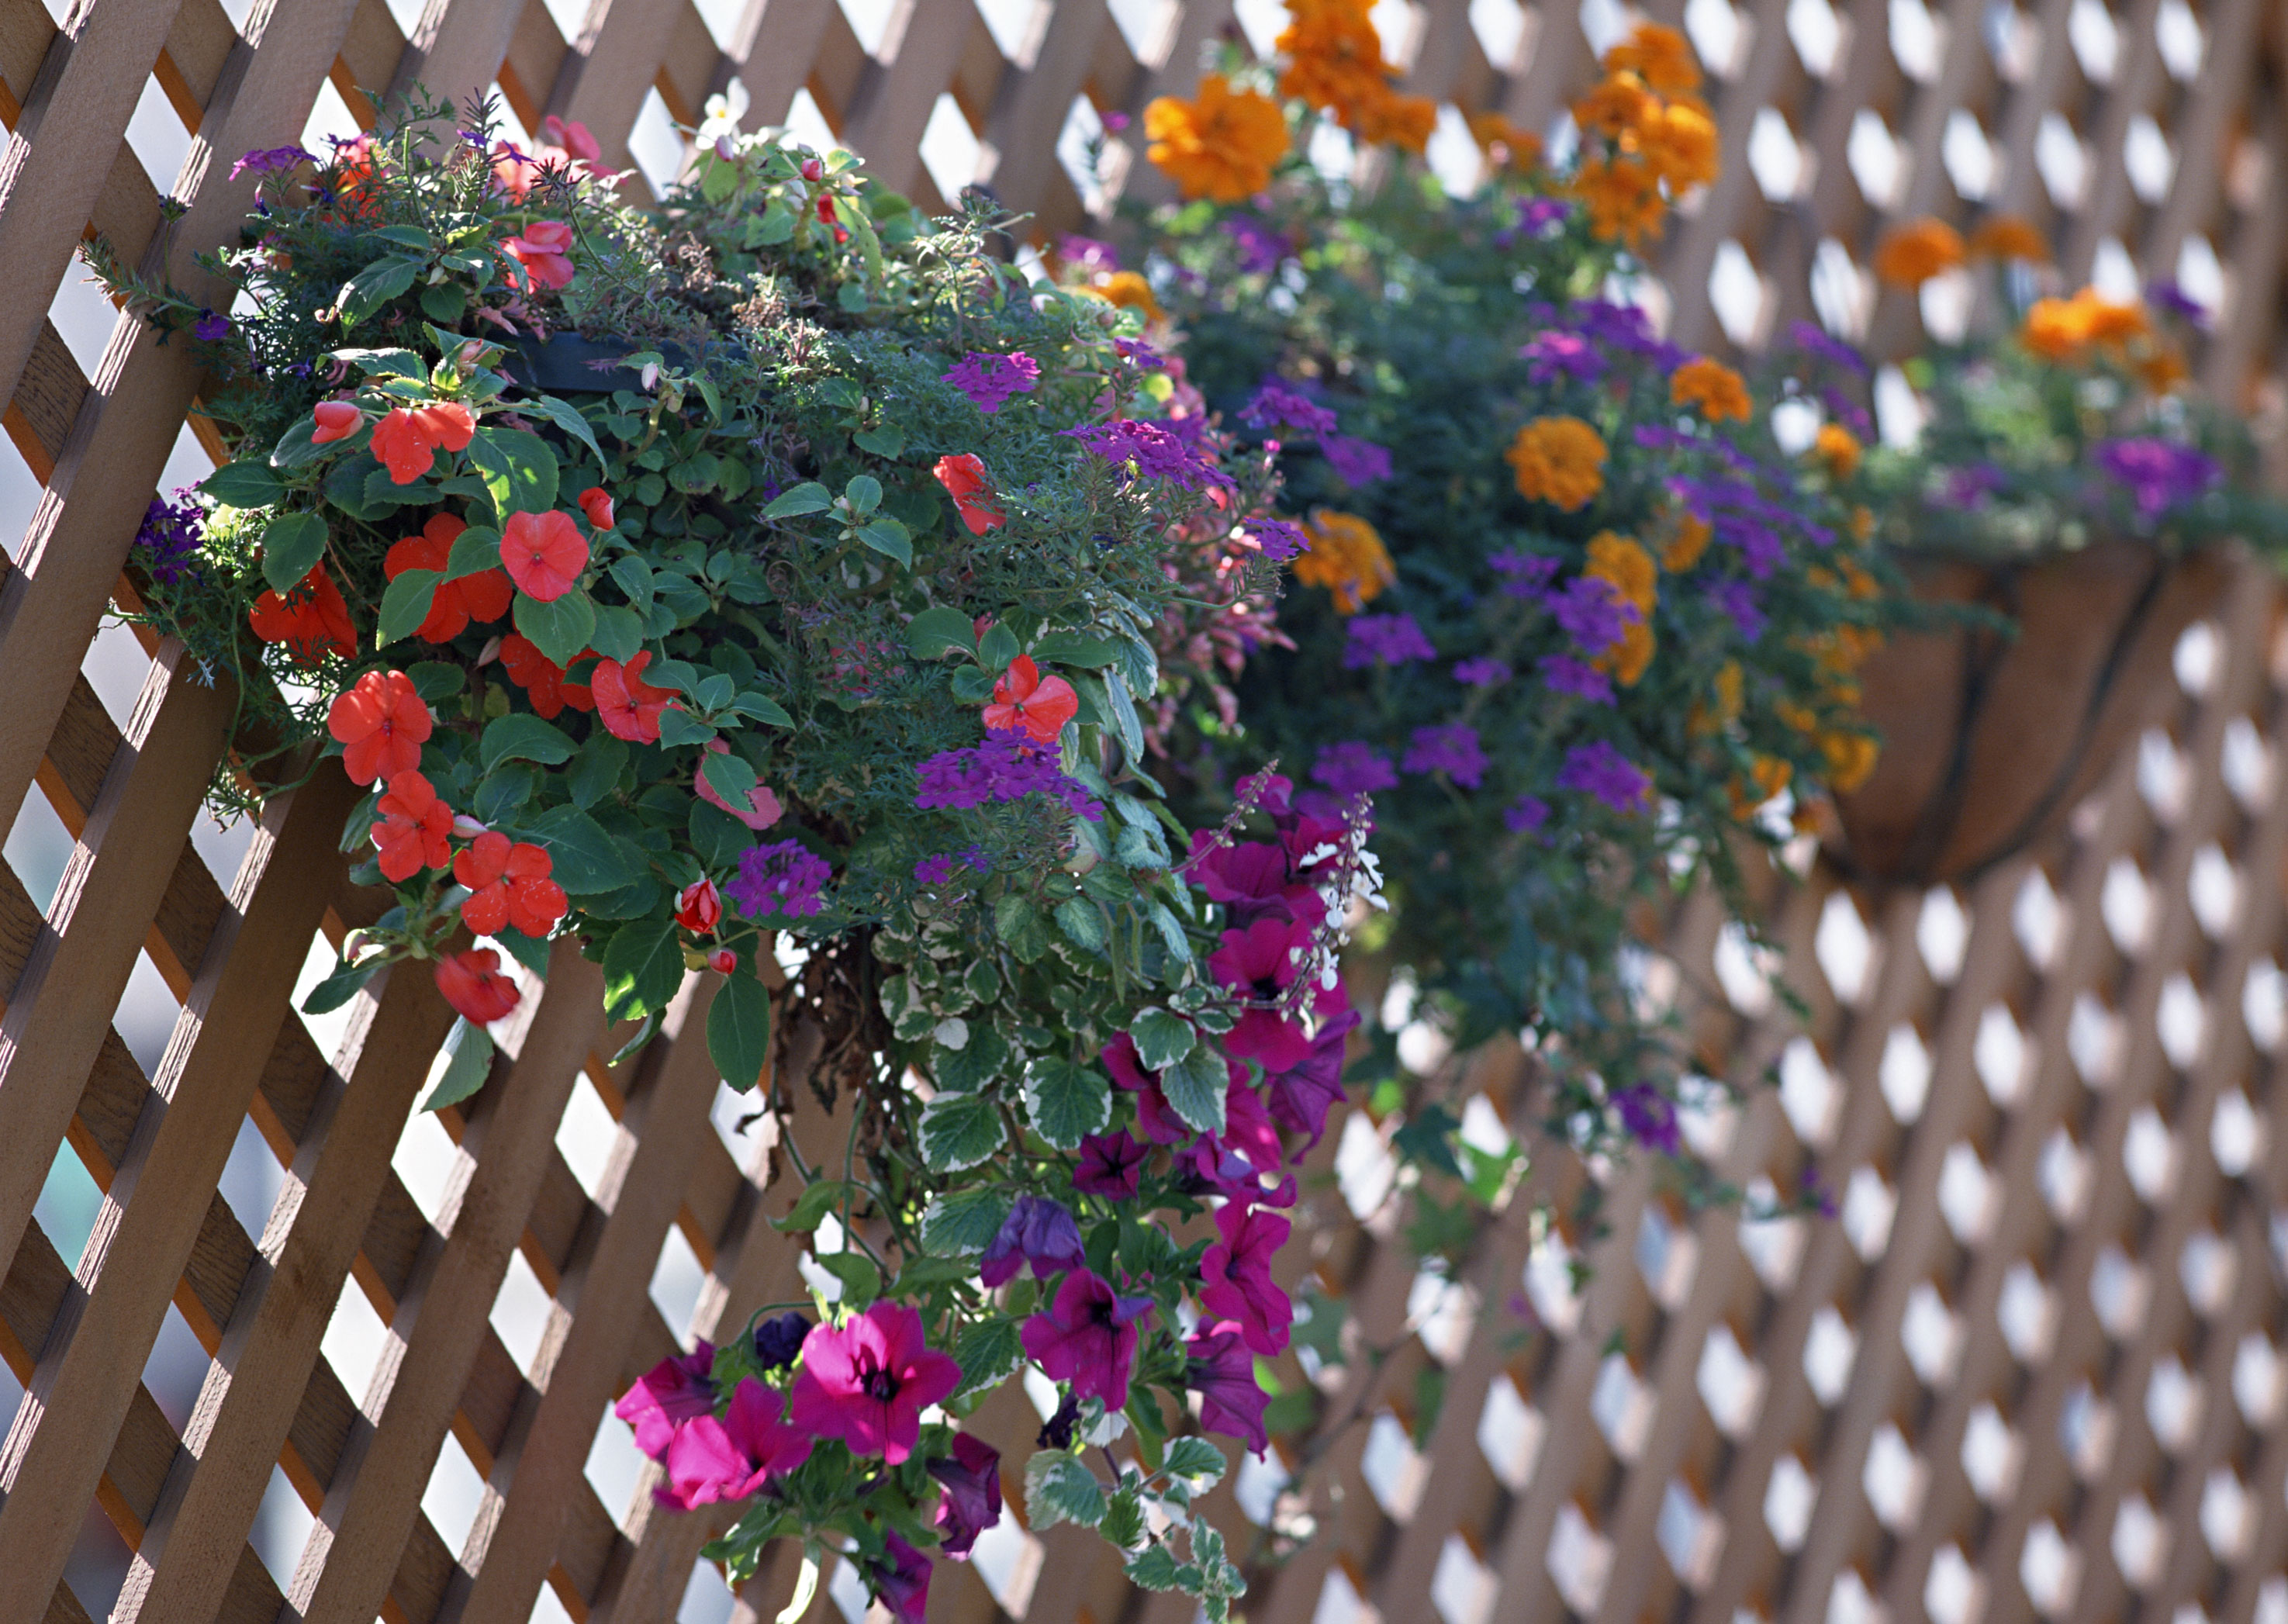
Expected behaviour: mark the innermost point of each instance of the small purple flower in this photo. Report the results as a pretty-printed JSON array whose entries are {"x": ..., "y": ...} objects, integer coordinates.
[
  {"x": 778, "y": 1341},
  {"x": 1815, "y": 340},
  {"x": 1089, "y": 255},
  {"x": 1142, "y": 353},
  {"x": 1004, "y": 767},
  {"x": 989, "y": 379},
  {"x": 1452, "y": 749},
  {"x": 1260, "y": 249},
  {"x": 901, "y": 1584},
  {"x": 1111, "y": 1165},
  {"x": 941, "y": 868},
  {"x": 1114, "y": 121},
  {"x": 1966, "y": 487},
  {"x": 1483, "y": 673},
  {"x": 2160, "y": 473},
  {"x": 1738, "y": 600},
  {"x": 1277, "y": 406},
  {"x": 1384, "y": 639},
  {"x": 1848, "y": 412},
  {"x": 1039, "y": 1233},
  {"x": 2167, "y": 294},
  {"x": 1279, "y": 540},
  {"x": 270, "y": 159},
  {"x": 1534, "y": 217},
  {"x": 210, "y": 328},
  {"x": 1599, "y": 770},
  {"x": 1815, "y": 1194},
  {"x": 1526, "y": 814},
  {"x": 784, "y": 877},
  {"x": 1355, "y": 462},
  {"x": 970, "y": 1477},
  {"x": 171, "y": 536},
  {"x": 1592, "y": 612},
  {"x": 1556, "y": 353},
  {"x": 1567, "y": 675},
  {"x": 1153, "y": 450},
  {"x": 1649, "y": 1117},
  {"x": 1523, "y": 575},
  {"x": 1352, "y": 768}
]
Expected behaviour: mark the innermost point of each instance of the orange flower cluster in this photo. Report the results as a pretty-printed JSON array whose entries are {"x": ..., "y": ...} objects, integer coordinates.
[
  {"x": 1558, "y": 460},
  {"x": 1718, "y": 392},
  {"x": 1346, "y": 556},
  {"x": 1651, "y": 137},
  {"x": 1838, "y": 448},
  {"x": 1219, "y": 145},
  {"x": 1625, "y": 566},
  {"x": 2005, "y": 237},
  {"x": 1334, "y": 61},
  {"x": 1911, "y": 255},
  {"x": 2070, "y": 331}
]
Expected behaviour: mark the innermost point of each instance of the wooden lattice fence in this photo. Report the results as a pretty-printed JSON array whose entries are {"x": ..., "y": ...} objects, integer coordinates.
[{"x": 2034, "y": 1365}]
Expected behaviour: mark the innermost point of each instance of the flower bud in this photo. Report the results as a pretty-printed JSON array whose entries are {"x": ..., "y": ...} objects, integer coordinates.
[
  {"x": 812, "y": 170},
  {"x": 723, "y": 147},
  {"x": 489, "y": 653},
  {"x": 723, "y": 961},
  {"x": 466, "y": 828},
  {"x": 699, "y": 907}
]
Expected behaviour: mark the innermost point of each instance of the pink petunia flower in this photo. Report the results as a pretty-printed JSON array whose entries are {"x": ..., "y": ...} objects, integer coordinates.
[
  {"x": 868, "y": 1382},
  {"x": 1087, "y": 1337},
  {"x": 669, "y": 1393},
  {"x": 1235, "y": 1275},
  {"x": 710, "y": 1460}
]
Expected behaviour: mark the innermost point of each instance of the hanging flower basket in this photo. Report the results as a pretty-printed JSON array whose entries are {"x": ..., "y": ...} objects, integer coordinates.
[{"x": 1990, "y": 739}]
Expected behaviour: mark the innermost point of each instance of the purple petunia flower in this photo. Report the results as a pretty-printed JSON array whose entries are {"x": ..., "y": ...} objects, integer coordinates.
[
  {"x": 2160, "y": 473},
  {"x": 1384, "y": 639},
  {"x": 1452, "y": 749},
  {"x": 1111, "y": 1165},
  {"x": 2167, "y": 294},
  {"x": 1738, "y": 600},
  {"x": 1222, "y": 1371},
  {"x": 1815, "y": 340},
  {"x": 1353, "y": 768},
  {"x": 1556, "y": 353},
  {"x": 171, "y": 536},
  {"x": 1355, "y": 462},
  {"x": 1483, "y": 673},
  {"x": 989, "y": 380},
  {"x": 1568, "y": 675},
  {"x": 1277, "y": 406},
  {"x": 1038, "y": 1233},
  {"x": 210, "y": 328},
  {"x": 778, "y": 1340},
  {"x": 970, "y": 1477},
  {"x": 784, "y": 877},
  {"x": 1153, "y": 450},
  {"x": 1260, "y": 249},
  {"x": 1526, "y": 814},
  {"x": 1650, "y": 1118},
  {"x": 1599, "y": 770},
  {"x": 270, "y": 159},
  {"x": 1089, "y": 255},
  {"x": 1088, "y": 1336}
]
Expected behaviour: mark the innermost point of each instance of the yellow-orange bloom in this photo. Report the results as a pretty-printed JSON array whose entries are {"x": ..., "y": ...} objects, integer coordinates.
[
  {"x": 1622, "y": 198},
  {"x": 1558, "y": 460},
  {"x": 1837, "y": 448},
  {"x": 1334, "y": 54},
  {"x": 2059, "y": 329},
  {"x": 2162, "y": 370},
  {"x": 1627, "y": 658},
  {"x": 1627, "y": 567},
  {"x": 1684, "y": 549},
  {"x": 1347, "y": 557},
  {"x": 1616, "y": 108},
  {"x": 1130, "y": 291},
  {"x": 1851, "y": 757},
  {"x": 1504, "y": 142},
  {"x": 1660, "y": 57},
  {"x": 1403, "y": 121},
  {"x": 1713, "y": 387},
  {"x": 1679, "y": 142},
  {"x": 2005, "y": 237},
  {"x": 1221, "y": 145},
  {"x": 1911, "y": 255}
]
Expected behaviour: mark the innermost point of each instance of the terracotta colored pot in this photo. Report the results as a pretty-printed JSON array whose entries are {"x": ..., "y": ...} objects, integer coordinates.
[{"x": 1990, "y": 740}]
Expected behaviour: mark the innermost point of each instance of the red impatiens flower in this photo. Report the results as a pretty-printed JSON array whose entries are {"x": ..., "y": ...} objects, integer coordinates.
[
  {"x": 628, "y": 706},
  {"x": 473, "y": 984},
  {"x": 710, "y": 1460},
  {"x": 542, "y": 678},
  {"x": 596, "y": 502},
  {"x": 1236, "y": 1272},
  {"x": 541, "y": 253},
  {"x": 406, "y": 441},
  {"x": 572, "y": 138},
  {"x": 1039, "y": 706},
  {"x": 963, "y": 479},
  {"x": 337, "y": 420},
  {"x": 763, "y": 808},
  {"x": 482, "y": 597},
  {"x": 416, "y": 830},
  {"x": 699, "y": 907},
  {"x": 311, "y": 620},
  {"x": 868, "y": 1382},
  {"x": 508, "y": 885},
  {"x": 381, "y": 722},
  {"x": 543, "y": 553}
]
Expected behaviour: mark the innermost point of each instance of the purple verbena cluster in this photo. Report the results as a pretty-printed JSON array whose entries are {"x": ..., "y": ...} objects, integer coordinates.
[
  {"x": 1384, "y": 639},
  {"x": 1452, "y": 749},
  {"x": 1004, "y": 767},
  {"x": 1153, "y": 450},
  {"x": 171, "y": 536},
  {"x": 1260, "y": 249},
  {"x": 783, "y": 878},
  {"x": 1599, "y": 769},
  {"x": 1277, "y": 406},
  {"x": 991, "y": 380},
  {"x": 1353, "y": 768},
  {"x": 2159, "y": 473}
]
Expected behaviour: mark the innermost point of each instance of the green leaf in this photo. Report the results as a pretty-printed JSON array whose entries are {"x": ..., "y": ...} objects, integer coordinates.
[
  {"x": 596, "y": 769},
  {"x": 730, "y": 775},
  {"x": 1077, "y": 649},
  {"x": 1155, "y": 1568},
  {"x": 443, "y": 302},
  {"x": 566, "y": 416},
  {"x": 964, "y": 1221},
  {"x": 404, "y": 606},
  {"x": 634, "y": 576},
  {"x": 517, "y": 469},
  {"x": 243, "y": 485},
  {"x": 972, "y": 1066},
  {"x": 1065, "y": 1101},
  {"x": 646, "y": 1030},
  {"x": 861, "y": 1281},
  {"x": 471, "y": 1048},
  {"x": 389, "y": 362},
  {"x": 341, "y": 985},
  {"x": 933, "y": 632},
  {"x": 891, "y": 539},
  {"x": 523, "y": 738},
  {"x": 435, "y": 679},
  {"x": 996, "y": 648},
  {"x": 811, "y": 1207},
  {"x": 810, "y": 497},
  {"x": 1161, "y": 1039},
  {"x": 529, "y": 951},
  {"x": 739, "y": 1030},
  {"x": 960, "y": 1131},
  {"x": 988, "y": 1354},
  {"x": 475, "y": 550},
  {"x": 1196, "y": 1086},
  {"x": 1078, "y": 918},
  {"x": 762, "y": 708},
  {"x": 292, "y": 546},
  {"x": 1060, "y": 1488},
  {"x": 1426, "y": 1138},
  {"x": 375, "y": 286},
  {"x": 643, "y": 966},
  {"x": 559, "y": 629},
  {"x": 1124, "y": 713},
  {"x": 852, "y": 298},
  {"x": 1195, "y": 1458},
  {"x": 678, "y": 729},
  {"x": 587, "y": 861},
  {"x": 887, "y": 441},
  {"x": 618, "y": 634}
]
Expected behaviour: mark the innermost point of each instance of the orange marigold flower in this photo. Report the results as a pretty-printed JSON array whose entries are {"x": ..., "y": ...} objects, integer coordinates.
[
  {"x": 1334, "y": 56},
  {"x": 2006, "y": 236},
  {"x": 381, "y": 723},
  {"x": 2054, "y": 329},
  {"x": 1685, "y": 547},
  {"x": 481, "y": 597},
  {"x": 1713, "y": 387},
  {"x": 1222, "y": 144},
  {"x": 1622, "y": 198},
  {"x": 1558, "y": 460},
  {"x": 311, "y": 621},
  {"x": 1627, "y": 658},
  {"x": 1627, "y": 567},
  {"x": 1347, "y": 557},
  {"x": 1911, "y": 255},
  {"x": 1851, "y": 758},
  {"x": 1616, "y": 106},
  {"x": 2108, "y": 322},
  {"x": 1680, "y": 144},
  {"x": 1837, "y": 448},
  {"x": 1662, "y": 57},
  {"x": 1400, "y": 121},
  {"x": 1129, "y": 290},
  {"x": 2162, "y": 370}
]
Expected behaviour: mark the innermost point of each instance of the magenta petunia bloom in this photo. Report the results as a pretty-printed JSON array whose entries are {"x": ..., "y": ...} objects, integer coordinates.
[
  {"x": 901, "y": 1584},
  {"x": 1236, "y": 1276},
  {"x": 1248, "y": 1132},
  {"x": 1038, "y": 1233},
  {"x": 1222, "y": 1373},
  {"x": 1087, "y": 1337},
  {"x": 710, "y": 1460},
  {"x": 868, "y": 1382},
  {"x": 1260, "y": 963},
  {"x": 1302, "y": 1095},
  {"x": 669, "y": 1393},
  {"x": 1111, "y": 1165},
  {"x": 970, "y": 1477}
]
